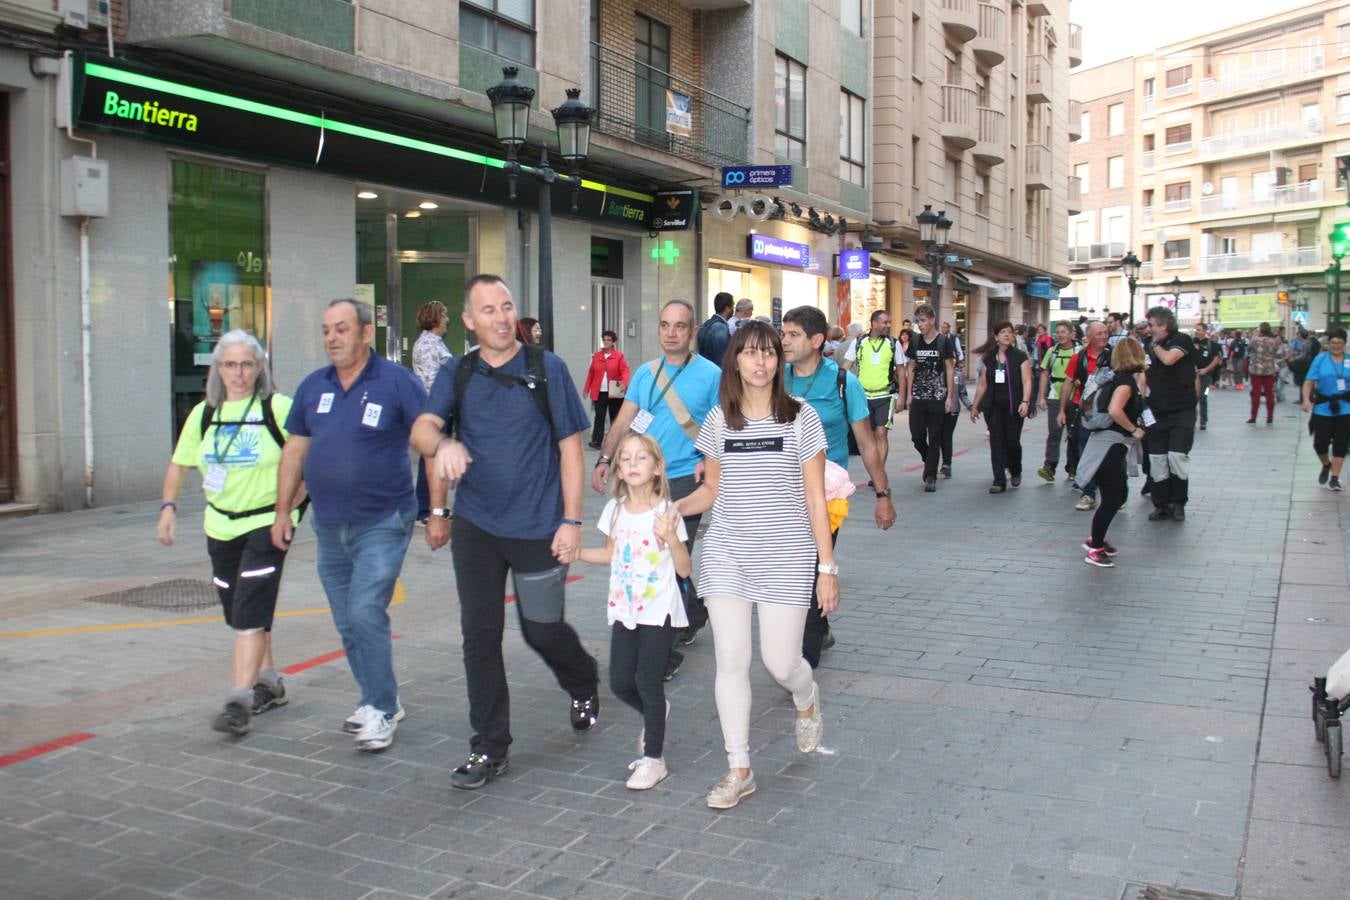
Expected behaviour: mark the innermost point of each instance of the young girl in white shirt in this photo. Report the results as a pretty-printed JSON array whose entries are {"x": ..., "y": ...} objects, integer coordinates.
[{"x": 645, "y": 549}]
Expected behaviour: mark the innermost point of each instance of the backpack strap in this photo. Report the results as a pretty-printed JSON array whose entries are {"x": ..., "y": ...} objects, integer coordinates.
[
  {"x": 843, "y": 389},
  {"x": 534, "y": 379},
  {"x": 269, "y": 421}
]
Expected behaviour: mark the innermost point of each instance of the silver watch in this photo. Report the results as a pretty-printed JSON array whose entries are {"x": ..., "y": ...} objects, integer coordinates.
[{"x": 828, "y": 569}]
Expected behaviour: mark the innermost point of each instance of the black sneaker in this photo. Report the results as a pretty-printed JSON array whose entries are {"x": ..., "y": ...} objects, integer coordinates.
[
  {"x": 929, "y": 485},
  {"x": 828, "y": 641},
  {"x": 1160, "y": 514},
  {"x": 585, "y": 713},
  {"x": 1178, "y": 514},
  {"x": 233, "y": 719},
  {"x": 946, "y": 471},
  {"x": 266, "y": 697},
  {"x": 1335, "y": 484},
  {"x": 1016, "y": 481},
  {"x": 1324, "y": 474},
  {"x": 476, "y": 771},
  {"x": 672, "y": 668},
  {"x": 686, "y": 637}
]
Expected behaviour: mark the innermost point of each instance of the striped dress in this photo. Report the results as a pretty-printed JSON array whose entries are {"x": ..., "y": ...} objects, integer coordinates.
[{"x": 759, "y": 545}]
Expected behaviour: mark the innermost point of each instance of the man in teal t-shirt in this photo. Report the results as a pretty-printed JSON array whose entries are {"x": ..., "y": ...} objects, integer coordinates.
[{"x": 811, "y": 377}]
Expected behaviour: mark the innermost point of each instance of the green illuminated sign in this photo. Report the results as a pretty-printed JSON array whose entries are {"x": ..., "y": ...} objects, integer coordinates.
[{"x": 667, "y": 253}]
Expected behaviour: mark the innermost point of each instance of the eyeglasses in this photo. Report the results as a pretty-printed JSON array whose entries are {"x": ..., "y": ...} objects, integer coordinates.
[{"x": 243, "y": 365}]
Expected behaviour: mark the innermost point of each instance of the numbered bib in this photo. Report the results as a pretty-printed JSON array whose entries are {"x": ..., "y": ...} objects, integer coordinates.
[
  {"x": 641, "y": 422},
  {"x": 325, "y": 403},
  {"x": 214, "y": 479},
  {"x": 371, "y": 418}
]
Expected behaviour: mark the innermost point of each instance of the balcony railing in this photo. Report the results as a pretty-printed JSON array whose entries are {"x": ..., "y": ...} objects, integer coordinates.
[
  {"x": 1075, "y": 195},
  {"x": 1146, "y": 216},
  {"x": 1075, "y": 44},
  {"x": 958, "y": 115},
  {"x": 959, "y": 19},
  {"x": 1145, "y": 270},
  {"x": 1255, "y": 77},
  {"x": 1148, "y": 159},
  {"x": 1148, "y": 103},
  {"x": 1075, "y": 119},
  {"x": 1177, "y": 90},
  {"x": 1178, "y": 147},
  {"x": 991, "y": 144},
  {"x": 989, "y": 42},
  {"x": 1300, "y": 258},
  {"x": 1038, "y": 167},
  {"x": 1181, "y": 204},
  {"x": 1286, "y": 195},
  {"x": 1039, "y": 79},
  {"x": 1260, "y": 137},
  {"x": 630, "y": 103},
  {"x": 1090, "y": 253},
  {"x": 1177, "y": 262}
]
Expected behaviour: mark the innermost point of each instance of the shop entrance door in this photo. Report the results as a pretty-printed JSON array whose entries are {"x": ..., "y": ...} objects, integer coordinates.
[
  {"x": 8, "y": 433},
  {"x": 421, "y": 281},
  {"x": 607, "y": 303}
]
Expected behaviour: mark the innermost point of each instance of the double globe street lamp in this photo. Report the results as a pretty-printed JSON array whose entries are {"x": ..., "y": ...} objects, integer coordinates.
[
  {"x": 1129, "y": 267},
  {"x": 933, "y": 230},
  {"x": 511, "y": 101}
]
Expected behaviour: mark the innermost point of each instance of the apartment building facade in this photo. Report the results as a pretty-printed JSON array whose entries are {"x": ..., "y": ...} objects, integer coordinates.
[
  {"x": 1238, "y": 136},
  {"x": 973, "y": 117},
  {"x": 260, "y": 159}
]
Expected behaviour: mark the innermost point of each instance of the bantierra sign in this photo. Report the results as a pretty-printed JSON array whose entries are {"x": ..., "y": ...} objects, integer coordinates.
[{"x": 147, "y": 111}]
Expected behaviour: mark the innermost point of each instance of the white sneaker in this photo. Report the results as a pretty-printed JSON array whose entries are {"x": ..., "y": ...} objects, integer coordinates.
[
  {"x": 1085, "y": 503},
  {"x": 357, "y": 720},
  {"x": 647, "y": 773},
  {"x": 378, "y": 733},
  {"x": 809, "y": 729}
]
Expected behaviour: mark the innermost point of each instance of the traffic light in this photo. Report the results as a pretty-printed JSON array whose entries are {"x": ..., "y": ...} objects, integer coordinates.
[{"x": 1340, "y": 240}]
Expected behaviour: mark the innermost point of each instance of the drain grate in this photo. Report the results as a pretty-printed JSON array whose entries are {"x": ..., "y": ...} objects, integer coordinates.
[
  {"x": 176, "y": 595},
  {"x": 1136, "y": 891}
]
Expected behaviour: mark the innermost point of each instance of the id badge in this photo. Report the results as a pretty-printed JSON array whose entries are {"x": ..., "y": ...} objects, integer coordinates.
[
  {"x": 1000, "y": 376},
  {"x": 325, "y": 403},
  {"x": 1149, "y": 419},
  {"x": 1340, "y": 385},
  {"x": 876, "y": 358},
  {"x": 641, "y": 422},
  {"x": 371, "y": 419},
  {"x": 214, "y": 479}
]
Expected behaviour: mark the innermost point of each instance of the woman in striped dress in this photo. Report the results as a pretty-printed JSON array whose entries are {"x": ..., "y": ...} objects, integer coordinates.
[{"x": 768, "y": 543}]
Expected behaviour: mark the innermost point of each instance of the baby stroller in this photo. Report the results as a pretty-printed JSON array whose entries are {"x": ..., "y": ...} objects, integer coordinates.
[{"x": 1331, "y": 699}]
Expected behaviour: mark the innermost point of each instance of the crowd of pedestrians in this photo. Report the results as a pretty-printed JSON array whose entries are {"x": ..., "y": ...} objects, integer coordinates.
[{"x": 738, "y": 421}]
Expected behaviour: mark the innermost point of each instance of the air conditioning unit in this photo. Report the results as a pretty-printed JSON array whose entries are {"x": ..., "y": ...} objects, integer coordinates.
[{"x": 83, "y": 14}]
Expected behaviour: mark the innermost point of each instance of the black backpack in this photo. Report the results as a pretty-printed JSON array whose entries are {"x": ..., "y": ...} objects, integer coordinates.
[
  {"x": 534, "y": 379},
  {"x": 269, "y": 421}
]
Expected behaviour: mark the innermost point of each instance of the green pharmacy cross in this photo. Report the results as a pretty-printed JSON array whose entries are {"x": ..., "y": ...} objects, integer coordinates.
[{"x": 667, "y": 253}]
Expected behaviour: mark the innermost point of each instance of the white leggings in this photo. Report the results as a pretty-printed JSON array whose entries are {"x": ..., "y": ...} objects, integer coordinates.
[{"x": 780, "y": 647}]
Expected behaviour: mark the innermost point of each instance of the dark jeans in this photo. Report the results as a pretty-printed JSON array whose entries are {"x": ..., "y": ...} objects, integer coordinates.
[
  {"x": 481, "y": 563},
  {"x": 1110, "y": 478},
  {"x": 423, "y": 491},
  {"x": 817, "y": 626},
  {"x": 1054, "y": 434},
  {"x": 693, "y": 604},
  {"x": 1168, "y": 444},
  {"x": 604, "y": 405},
  {"x": 948, "y": 433},
  {"x": 637, "y": 662},
  {"x": 1005, "y": 443},
  {"x": 925, "y": 430},
  {"x": 1202, "y": 404}
]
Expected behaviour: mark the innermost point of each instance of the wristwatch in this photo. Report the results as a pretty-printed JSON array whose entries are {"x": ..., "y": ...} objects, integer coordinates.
[
  {"x": 603, "y": 461},
  {"x": 577, "y": 522},
  {"x": 883, "y": 494},
  {"x": 441, "y": 511},
  {"x": 828, "y": 569}
]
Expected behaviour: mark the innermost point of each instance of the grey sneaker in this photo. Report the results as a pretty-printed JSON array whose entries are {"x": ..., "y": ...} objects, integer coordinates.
[
  {"x": 233, "y": 719},
  {"x": 266, "y": 697},
  {"x": 808, "y": 729},
  {"x": 1085, "y": 503},
  {"x": 476, "y": 771},
  {"x": 730, "y": 791}
]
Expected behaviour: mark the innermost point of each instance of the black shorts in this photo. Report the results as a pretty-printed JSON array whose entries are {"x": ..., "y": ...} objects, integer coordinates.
[
  {"x": 247, "y": 574},
  {"x": 879, "y": 411},
  {"x": 1174, "y": 432},
  {"x": 1331, "y": 432}
]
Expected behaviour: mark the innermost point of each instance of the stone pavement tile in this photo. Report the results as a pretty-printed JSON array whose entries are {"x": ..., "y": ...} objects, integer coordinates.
[
  {"x": 27, "y": 878},
  {"x": 1289, "y": 861},
  {"x": 475, "y": 869},
  {"x": 301, "y": 885},
  {"x": 76, "y": 828},
  {"x": 547, "y": 884},
  {"x": 337, "y": 828},
  {"x": 435, "y": 838},
  {"x": 717, "y": 890},
  {"x": 1333, "y": 639},
  {"x": 1023, "y": 703},
  {"x": 720, "y": 868},
  {"x": 303, "y": 856},
  {"x": 376, "y": 875},
  {"x": 1175, "y": 719},
  {"x": 577, "y": 862},
  {"x": 149, "y": 875},
  {"x": 251, "y": 871},
  {"x": 385, "y": 850},
  {"x": 1290, "y": 740},
  {"x": 1302, "y": 794},
  {"x": 226, "y": 889}
]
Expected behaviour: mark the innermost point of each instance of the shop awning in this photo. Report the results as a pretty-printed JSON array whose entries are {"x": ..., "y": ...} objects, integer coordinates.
[
  {"x": 977, "y": 280},
  {"x": 899, "y": 264}
]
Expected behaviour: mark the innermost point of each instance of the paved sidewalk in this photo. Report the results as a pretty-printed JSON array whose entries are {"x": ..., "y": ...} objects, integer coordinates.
[{"x": 1002, "y": 721}]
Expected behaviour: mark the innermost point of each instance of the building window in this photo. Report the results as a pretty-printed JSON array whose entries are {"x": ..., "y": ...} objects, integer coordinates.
[
  {"x": 789, "y": 112},
  {"x": 1149, "y": 90},
  {"x": 1178, "y": 80},
  {"x": 651, "y": 72},
  {"x": 850, "y": 15},
  {"x": 1115, "y": 172},
  {"x": 852, "y": 117},
  {"x": 916, "y": 47},
  {"x": 1085, "y": 127},
  {"x": 982, "y": 195},
  {"x": 951, "y": 182},
  {"x": 1177, "y": 191},
  {"x": 1343, "y": 39},
  {"x": 1115, "y": 118},
  {"x": 1177, "y": 250},
  {"x": 1081, "y": 172},
  {"x": 503, "y": 27},
  {"x": 1177, "y": 139}
]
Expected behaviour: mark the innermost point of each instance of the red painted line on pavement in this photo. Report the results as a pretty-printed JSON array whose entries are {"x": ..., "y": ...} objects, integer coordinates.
[
  {"x": 28, "y": 753},
  {"x": 311, "y": 663},
  {"x": 919, "y": 467},
  {"x": 511, "y": 598}
]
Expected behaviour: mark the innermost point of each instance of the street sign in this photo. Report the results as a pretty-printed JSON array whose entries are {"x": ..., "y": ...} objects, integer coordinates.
[
  {"x": 1300, "y": 317},
  {"x": 771, "y": 249},
  {"x": 854, "y": 264},
  {"x": 737, "y": 177},
  {"x": 1068, "y": 304}
]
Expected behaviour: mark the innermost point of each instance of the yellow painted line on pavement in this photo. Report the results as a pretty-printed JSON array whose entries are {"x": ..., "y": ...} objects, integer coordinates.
[{"x": 400, "y": 596}]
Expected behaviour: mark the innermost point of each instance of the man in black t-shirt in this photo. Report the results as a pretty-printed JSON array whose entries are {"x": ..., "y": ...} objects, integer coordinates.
[
  {"x": 1172, "y": 398},
  {"x": 931, "y": 368},
  {"x": 1207, "y": 360}
]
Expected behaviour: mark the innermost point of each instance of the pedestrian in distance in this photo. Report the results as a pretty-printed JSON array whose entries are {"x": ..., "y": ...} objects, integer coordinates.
[
  {"x": 715, "y": 333},
  {"x": 348, "y": 430},
  {"x": 769, "y": 541},
  {"x": 516, "y": 461},
  {"x": 530, "y": 331},
  {"x": 1208, "y": 361},
  {"x": 1170, "y": 419},
  {"x": 234, "y": 439},
  {"x": 931, "y": 391},
  {"x": 429, "y": 353},
  {"x": 645, "y": 550},
  {"x": 1054, "y": 363},
  {"x": 606, "y": 383},
  {"x": 1112, "y": 417},
  {"x": 1237, "y": 358},
  {"x": 1264, "y": 353},
  {"x": 1095, "y": 353},
  {"x": 745, "y": 311},
  {"x": 1326, "y": 394},
  {"x": 1004, "y": 397},
  {"x": 879, "y": 361}
]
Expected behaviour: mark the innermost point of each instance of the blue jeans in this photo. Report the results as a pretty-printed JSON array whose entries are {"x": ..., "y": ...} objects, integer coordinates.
[{"x": 358, "y": 565}]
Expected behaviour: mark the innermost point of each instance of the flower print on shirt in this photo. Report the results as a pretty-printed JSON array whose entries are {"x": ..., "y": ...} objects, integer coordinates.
[{"x": 642, "y": 585}]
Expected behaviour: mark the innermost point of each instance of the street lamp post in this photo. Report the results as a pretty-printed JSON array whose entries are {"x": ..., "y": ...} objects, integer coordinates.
[
  {"x": 933, "y": 231},
  {"x": 511, "y": 117},
  {"x": 1129, "y": 265},
  {"x": 1332, "y": 277}
]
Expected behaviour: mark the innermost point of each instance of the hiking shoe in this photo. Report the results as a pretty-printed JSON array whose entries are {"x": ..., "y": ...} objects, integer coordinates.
[
  {"x": 647, "y": 773},
  {"x": 1324, "y": 474},
  {"x": 233, "y": 719},
  {"x": 1085, "y": 503},
  {"x": 1106, "y": 547},
  {"x": 1046, "y": 473},
  {"x": 1070, "y": 475},
  {"x": 1097, "y": 557},
  {"x": 1178, "y": 514},
  {"x": 378, "y": 732},
  {"x": 357, "y": 720},
  {"x": 929, "y": 487},
  {"x": 730, "y": 791},
  {"x": 1335, "y": 484},
  {"x": 585, "y": 713},
  {"x": 1016, "y": 480},
  {"x": 828, "y": 641},
  {"x": 266, "y": 697},
  {"x": 1160, "y": 514},
  {"x": 476, "y": 770},
  {"x": 997, "y": 488},
  {"x": 946, "y": 471},
  {"x": 808, "y": 729},
  {"x": 687, "y": 636}
]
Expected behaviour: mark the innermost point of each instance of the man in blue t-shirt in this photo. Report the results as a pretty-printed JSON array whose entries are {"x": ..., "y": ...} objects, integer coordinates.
[
  {"x": 813, "y": 378},
  {"x": 348, "y": 430},
  {"x": 668, "y": 398},
  {"x": 517, "y": 464}
]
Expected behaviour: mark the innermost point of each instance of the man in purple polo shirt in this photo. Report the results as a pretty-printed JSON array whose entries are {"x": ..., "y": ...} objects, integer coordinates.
[{"x": 349, "y": 427}]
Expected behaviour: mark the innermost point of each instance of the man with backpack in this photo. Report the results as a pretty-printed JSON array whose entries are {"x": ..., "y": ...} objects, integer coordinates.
[
  {"x": 1095, "y": 354},
  {"x": 517, "y": 462},
  {"x": 713, "y": 335},
  {"x": 879, "y": 361},
  {"x": 1170, "y": 417},
  {"x": 838, "y": 398},
  {"x": 1053, "y": 366}
]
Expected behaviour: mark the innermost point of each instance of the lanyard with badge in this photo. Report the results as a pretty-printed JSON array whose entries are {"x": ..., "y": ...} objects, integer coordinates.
[
  {"x": 876, "y": 351},
  {"x": 814, "y": 375},
  {"x": 214, "y": 480},
  {"x": 643, "y": 420},
  {"x": 1001, "y": 371}
]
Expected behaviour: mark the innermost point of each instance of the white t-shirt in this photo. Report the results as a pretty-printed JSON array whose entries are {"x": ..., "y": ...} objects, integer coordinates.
[{"x": 642, "y": 587}]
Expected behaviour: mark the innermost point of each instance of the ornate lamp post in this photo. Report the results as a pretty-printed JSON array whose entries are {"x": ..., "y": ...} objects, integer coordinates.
[
  {"x": 933, "y": 234},
  {"x": 1129, "y": 267}
]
